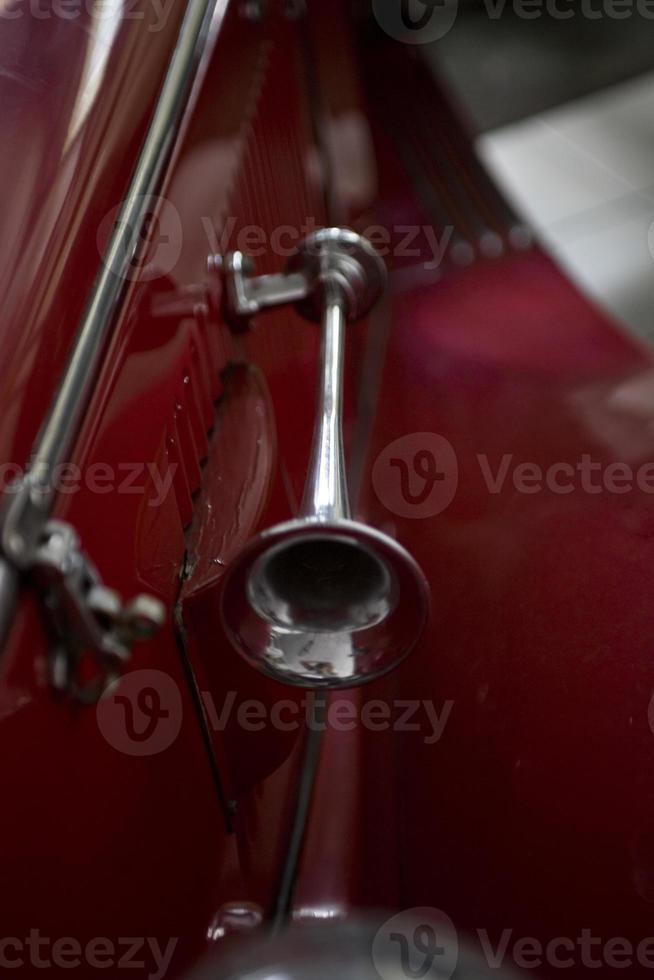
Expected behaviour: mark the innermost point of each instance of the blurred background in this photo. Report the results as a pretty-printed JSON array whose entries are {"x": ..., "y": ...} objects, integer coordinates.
[{"x": 562, "y": 109}]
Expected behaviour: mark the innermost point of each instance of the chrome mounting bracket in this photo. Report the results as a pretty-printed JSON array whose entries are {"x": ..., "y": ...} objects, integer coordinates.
[
  {"x": 247, "y": 294},
  {"x": 331, "y": 257},
  {"x": 86, "y": 618}
]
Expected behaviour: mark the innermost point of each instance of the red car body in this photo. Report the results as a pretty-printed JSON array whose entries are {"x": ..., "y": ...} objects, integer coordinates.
[{"x": 522, "y": 799}]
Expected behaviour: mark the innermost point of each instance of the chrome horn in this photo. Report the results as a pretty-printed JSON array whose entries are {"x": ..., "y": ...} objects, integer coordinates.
[{"x": 322, "y": 600}]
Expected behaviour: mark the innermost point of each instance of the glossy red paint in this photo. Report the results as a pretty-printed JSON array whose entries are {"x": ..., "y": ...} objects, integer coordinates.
[{"x": 541, "y": 622}]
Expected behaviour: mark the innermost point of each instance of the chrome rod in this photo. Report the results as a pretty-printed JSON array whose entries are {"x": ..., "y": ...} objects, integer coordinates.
[
  {"x": 325, "y": 493},
  {"x": 62, "y": 424},
  {"x": 30, "y": 507}
]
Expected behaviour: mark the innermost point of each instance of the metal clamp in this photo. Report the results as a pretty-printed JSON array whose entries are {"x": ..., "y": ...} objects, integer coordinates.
[
  {"x": 247, "y": 294},
  {"x": 335, "y": 256},
  {"x": 87, "y": 619}
]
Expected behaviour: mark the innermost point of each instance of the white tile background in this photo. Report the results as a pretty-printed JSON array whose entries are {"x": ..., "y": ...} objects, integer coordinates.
[{"x": 583, "y": 176}]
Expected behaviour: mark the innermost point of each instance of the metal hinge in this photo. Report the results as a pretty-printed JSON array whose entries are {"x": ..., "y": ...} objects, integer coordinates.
[{"x": 93, "y": 628}]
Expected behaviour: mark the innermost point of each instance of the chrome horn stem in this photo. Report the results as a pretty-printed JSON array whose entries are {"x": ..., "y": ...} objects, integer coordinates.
[
  {"x": 322, "y": 600},
  {"x": 325, "y": 492}
]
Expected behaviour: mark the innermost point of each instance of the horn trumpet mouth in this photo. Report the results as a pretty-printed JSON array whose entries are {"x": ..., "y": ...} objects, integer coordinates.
[
  {"x": 324, "y": 605},
  {"x": 322, "y": 583}
]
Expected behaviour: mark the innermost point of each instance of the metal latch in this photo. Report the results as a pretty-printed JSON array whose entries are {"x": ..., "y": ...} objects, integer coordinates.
[{"x": 88, "y": 620}]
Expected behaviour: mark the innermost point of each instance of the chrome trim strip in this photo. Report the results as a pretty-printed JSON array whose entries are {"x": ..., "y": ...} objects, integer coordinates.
[
  {"x": 325, "y": 495},
  {"x": 198, "y": 32}
]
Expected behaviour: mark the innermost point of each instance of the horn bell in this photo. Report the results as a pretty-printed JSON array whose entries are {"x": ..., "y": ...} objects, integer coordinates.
[{"x": 323, "y": 604}]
